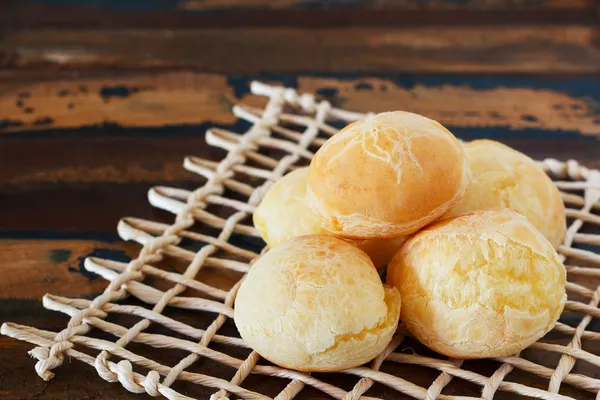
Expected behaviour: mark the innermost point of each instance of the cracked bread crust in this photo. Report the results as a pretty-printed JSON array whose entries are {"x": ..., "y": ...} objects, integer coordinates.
[
  {"x": 316, "y": 303},
  {"x": 486, "y": 284},
  {"x": 284, "y": 214},
  {"x": 386, "y": 176},
  {"x": 502, "y": 177}
]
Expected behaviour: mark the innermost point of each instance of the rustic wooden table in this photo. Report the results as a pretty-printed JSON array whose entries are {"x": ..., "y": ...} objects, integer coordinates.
[{"x": 100, "y": 100}]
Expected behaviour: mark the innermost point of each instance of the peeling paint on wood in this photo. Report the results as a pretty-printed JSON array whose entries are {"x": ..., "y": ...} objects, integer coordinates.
[
  {"x": 561, "y": 104},
  {"x": 464, "y": 106},
  {"x": 147, "y": 100}
]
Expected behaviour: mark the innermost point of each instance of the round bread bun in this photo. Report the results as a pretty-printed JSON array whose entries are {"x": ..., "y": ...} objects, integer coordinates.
[
  {"x": 486, "y": 284},
  {"x": 502, "y": 177},
  {"x": 284, "y": 214},
  {"x": 386, "y": 176},
  {"x": 316, "y": 303}
]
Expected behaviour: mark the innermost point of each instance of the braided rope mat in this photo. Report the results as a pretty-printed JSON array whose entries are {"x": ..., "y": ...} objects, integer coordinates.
[{"x": 292, "y": 127}]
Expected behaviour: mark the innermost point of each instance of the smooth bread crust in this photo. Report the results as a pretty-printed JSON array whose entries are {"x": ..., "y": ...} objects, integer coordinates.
[
  {"x": 284, "y": 214},
  {"x": 374, "y": 178},
  {"x": 502, "y": 177},
  {"x": 316, "y": 303},
  {"x": 486, "y": 284}
]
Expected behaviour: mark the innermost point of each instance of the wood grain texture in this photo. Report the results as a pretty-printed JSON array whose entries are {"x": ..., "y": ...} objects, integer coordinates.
[
  {"x": 101, "y": 155},
  {"x": 79, "y": 208},
  {"x": 102, "y": 99},
  {"x": 291, "y": 13},
  {"x": 170, "y": 98},
  {"x": 32, "y": 268},
  {"x": 386, "y": 4},
  {"x": 521, "y": 49},
  {"x": 157, "y": 99},
  {"x": 85, "y": 161},
  {"x": 460, "y": 105},
  {"x": 231, "y": 5}
]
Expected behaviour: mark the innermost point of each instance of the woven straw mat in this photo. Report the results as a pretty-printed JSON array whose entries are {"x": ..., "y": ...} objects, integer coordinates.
[{"x": 164, "y": 327}]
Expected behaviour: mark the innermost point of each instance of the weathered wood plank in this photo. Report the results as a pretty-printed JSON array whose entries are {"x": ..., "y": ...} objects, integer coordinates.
[
  {"x": 497, "y": 102},
  {"x": 103, "y": 155},
  {"x": 32, "y": 268},
  {"x": 81, "y": 208},
  {"x": 387, "y": 4},
  {"x": 293, "y": 13},
  {"x": 165, "y": 99},
  {"x": 232, "y": 5},
  {"x": 151, "y": 100},
  {"x": 496, "y": 49}
]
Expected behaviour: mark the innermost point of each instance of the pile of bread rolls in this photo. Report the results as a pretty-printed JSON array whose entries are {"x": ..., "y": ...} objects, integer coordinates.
[{"x": 467, "y": 233}]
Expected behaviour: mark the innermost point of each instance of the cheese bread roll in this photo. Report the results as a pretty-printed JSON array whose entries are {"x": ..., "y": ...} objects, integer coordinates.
[
  {"x": 284, "y": 214},
  {"x": 386, "y": 176},
  {"x": 486, "y": 284},
  {"x": 316, "y": 303},
  {"x": 505, "y": 178}
]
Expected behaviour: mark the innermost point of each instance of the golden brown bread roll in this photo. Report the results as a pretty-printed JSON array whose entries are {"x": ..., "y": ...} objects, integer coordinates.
[
  {"x": 486, "y": 284},
  {"x": 386, "y": 176},
  {"x": 316, "y": 303},
  {"x": 284, "y": 214},
  {"x": 502, "y": 177}
]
